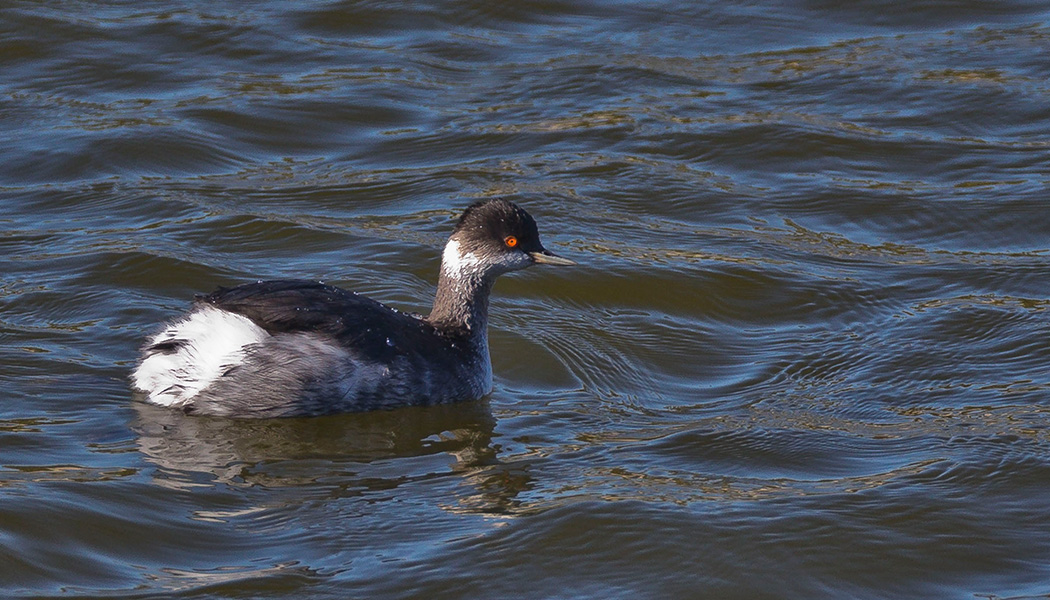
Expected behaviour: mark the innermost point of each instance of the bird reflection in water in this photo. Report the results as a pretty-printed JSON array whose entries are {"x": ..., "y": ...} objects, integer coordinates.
[{"x": 346, "y": 455}]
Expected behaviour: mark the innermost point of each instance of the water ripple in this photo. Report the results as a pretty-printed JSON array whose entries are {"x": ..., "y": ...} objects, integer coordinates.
[{"x": 803, "y": 355}]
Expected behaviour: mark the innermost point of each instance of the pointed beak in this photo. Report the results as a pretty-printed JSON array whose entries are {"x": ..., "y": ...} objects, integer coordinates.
[{"x": 547, "y": 257}]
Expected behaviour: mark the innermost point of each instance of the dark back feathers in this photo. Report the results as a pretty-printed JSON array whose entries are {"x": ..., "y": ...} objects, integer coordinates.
[{"x": 360, "y": 324}]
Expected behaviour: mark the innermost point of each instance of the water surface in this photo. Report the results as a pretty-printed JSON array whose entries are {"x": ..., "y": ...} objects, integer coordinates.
[{"x": 805, "y": 354}]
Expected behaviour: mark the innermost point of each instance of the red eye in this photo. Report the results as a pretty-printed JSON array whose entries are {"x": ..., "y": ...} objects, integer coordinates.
[{"x": 510, "y": 241}]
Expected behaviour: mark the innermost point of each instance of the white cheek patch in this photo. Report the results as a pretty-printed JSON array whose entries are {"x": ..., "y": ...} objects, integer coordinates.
[
  {"x": 200, "y": 348},
  {"x": 457, "y": 264}
]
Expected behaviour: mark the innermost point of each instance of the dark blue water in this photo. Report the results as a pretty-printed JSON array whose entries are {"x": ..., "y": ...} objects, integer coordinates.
[{"x": 805, "y": 354}]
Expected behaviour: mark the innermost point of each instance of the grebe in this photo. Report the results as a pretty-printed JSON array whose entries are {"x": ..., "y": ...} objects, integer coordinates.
[{"x": 297, "y": 348}]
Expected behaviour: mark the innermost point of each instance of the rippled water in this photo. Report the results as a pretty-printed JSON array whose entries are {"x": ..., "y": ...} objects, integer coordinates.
[{"x": 805, "y": 354}]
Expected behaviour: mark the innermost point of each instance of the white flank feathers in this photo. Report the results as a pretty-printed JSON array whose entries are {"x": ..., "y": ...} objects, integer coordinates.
[{"x": 209, "y": 341}]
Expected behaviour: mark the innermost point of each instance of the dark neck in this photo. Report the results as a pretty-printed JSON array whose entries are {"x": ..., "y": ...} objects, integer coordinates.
[{"x": 462, "y": 304}]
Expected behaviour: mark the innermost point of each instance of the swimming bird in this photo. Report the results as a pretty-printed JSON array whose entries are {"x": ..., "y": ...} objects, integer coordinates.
[{"x": 298, "y": 348}]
